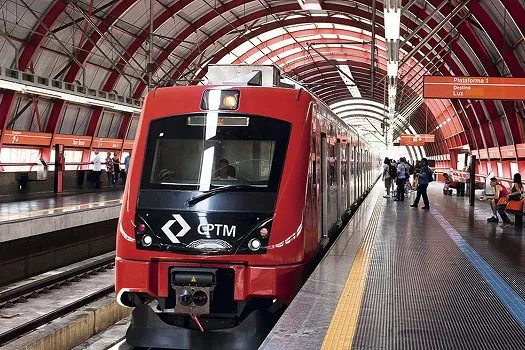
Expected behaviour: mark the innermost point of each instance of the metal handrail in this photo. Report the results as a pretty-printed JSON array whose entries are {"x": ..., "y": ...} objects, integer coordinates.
[{"x": 31, "y": 165}]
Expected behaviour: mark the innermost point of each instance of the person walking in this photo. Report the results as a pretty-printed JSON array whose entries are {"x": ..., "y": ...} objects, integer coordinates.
[
  {"x": 425, "y": 176},
  {"x": 97, "y": 167},
  {"x": 402, "y": 172},
  {"x": 386, "y": 177}
]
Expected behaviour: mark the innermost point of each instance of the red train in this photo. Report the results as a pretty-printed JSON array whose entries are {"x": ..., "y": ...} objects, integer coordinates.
[{"x": 233, "y": 190}]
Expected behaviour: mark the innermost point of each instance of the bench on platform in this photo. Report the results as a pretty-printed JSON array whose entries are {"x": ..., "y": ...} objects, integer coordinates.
[
  {"x": 516, "y": 208},
  {"x": 461, "y": 187}
]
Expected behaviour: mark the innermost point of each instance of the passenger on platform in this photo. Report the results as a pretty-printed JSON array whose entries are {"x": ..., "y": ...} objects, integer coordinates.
[
  {"x": 402, "y": 172},
  {"x": 515, "y": 195},
  {"x": 224, "y": 171},
  {"x": 386, "y": 177},
  {"x": 409, "y": 171},
  {"x": 417, "y": 169},
  {"x": 110, "y": 169},
  {"x": 392, "y": 170},
  {"x": 424, "y": 177},
  {"x": 97, "y": 167},
  {"x": 124, "y": 171},
  {"x": 116, "y": 168},
  {"x": 126, "y": 162},
  {"x": 448, "y": 181},
  {"x": 500, "y": 191}
]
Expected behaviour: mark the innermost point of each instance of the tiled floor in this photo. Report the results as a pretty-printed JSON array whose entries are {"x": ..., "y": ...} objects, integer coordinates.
[
  {"x": 443, "y": 279},
  {"x": 438, "y": 279}
]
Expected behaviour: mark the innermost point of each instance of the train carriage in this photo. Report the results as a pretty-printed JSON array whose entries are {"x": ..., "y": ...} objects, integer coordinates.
[{"x": 233, "y": 191}]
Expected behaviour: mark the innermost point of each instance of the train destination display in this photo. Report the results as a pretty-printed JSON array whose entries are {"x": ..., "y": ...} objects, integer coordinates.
[{"x": 477, "y": 88}]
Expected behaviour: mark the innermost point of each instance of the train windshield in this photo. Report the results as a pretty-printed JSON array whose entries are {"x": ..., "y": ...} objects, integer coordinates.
[{"x": 206, "y": 151}]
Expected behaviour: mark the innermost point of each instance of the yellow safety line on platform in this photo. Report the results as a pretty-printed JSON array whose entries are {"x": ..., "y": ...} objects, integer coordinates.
[
  {"x": 32, "y": 212},
  {"x": 343, "y": 326}
]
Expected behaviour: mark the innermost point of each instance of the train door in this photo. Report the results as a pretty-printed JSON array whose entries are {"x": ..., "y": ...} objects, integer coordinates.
[
  {"x": 361, "y": 179},
  {"x": 367, "y": 169},
  {"x": 339, "y": 182},
  {"x": 315, "y": 180},
  {"x": 324, "y": 186},
  {"x": 344, "y": 177},
  {"x": 354, "y": 165},
  {"x": 348, "y": 175}
]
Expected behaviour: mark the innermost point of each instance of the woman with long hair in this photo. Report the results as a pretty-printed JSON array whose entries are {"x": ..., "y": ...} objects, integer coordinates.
[{"x": 386, "y": 177}]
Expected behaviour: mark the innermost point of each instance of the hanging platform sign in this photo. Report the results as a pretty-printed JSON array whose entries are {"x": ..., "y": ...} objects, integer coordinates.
[
  {"x": 75, "y": 141},
  {"x": 508, "y": 152},
  {"x": 520, "y": 150},
  {"x": 415, "y": 139},
  {"x": 128, "y": 144},
  {"x": 26, "y": 138},
  {"x": 105, "y": 143},
  {"x": 476, "y": 88}
]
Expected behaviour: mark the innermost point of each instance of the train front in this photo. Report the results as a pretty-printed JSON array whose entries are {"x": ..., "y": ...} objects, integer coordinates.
[{"x": 207, "y": 234}]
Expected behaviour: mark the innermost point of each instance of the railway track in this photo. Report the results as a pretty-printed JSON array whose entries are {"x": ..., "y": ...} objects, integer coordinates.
[{"x": 30, "y": 304}]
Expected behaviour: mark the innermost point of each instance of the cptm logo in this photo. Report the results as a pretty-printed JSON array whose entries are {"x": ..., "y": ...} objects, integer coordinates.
[{"x": 218, "y": 229}]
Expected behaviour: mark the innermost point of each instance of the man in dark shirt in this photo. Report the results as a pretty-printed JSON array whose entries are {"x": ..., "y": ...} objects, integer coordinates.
[{"x": 424, "y": 176}]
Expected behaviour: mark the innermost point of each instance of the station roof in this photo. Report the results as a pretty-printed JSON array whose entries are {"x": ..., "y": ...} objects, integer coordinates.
[{"x": 105, "y": 45}]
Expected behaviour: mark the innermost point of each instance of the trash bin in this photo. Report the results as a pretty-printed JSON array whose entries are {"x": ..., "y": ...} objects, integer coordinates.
[{"x": 23, "y": 180}]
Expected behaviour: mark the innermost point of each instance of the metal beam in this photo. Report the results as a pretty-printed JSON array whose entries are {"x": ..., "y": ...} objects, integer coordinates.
[{"x": 373, "y": 50}]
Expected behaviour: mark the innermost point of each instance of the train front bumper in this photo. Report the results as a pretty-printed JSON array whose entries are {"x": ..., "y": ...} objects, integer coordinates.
[{"x": 153, "y": 278}]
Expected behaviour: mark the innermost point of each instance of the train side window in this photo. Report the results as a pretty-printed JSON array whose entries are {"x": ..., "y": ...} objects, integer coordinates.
[
  {"x": 344, "y": 161},
  {"x": 332, "y": 174},
  {"x": 313, "y": 159}
]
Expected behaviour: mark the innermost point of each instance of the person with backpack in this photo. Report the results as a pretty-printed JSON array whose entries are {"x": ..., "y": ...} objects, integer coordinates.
[
  {"x": 386, "y": 177},
  {"x": 425, "y": 177},
  {"x": 392, "y": 171},
  {"x": 402, "y": 171}
]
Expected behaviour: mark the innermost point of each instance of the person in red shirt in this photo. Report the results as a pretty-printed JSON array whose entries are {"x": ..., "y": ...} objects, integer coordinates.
[{"x": 500, "y": 191}]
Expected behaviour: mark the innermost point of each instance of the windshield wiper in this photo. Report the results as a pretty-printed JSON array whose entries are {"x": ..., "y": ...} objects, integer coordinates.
[{"x": 195, "y": 200}]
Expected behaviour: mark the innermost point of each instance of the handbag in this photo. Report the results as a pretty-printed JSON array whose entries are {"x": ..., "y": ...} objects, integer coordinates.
[{"x": 515, "y": 197}]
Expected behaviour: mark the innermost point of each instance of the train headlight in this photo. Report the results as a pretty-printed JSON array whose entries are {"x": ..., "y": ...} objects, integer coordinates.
[
  {"x": 141, "y": 228},
  {"x": 214, "y": 99},
  {"x": 230, "y": 101},
  {"x": 147, "y": 240},
  {"x": 254, "y": 244}
]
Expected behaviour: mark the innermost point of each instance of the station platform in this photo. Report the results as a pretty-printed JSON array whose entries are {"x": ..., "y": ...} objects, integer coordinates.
[
  {"x": 406, "y": 278},
  {"x": 26, "y": 218}
]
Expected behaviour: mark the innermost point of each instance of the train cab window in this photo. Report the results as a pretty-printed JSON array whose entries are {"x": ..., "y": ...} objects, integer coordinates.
[{"x": 190, "y": 156}]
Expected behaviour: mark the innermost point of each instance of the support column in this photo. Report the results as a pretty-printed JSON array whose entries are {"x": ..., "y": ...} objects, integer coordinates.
[{"x": 472, "y": 192}]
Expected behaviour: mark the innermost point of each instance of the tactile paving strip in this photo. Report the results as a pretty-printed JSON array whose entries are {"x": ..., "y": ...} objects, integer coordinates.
[
  {"x": 344, "y": 321},
  {"x": 422, "y": 293}
]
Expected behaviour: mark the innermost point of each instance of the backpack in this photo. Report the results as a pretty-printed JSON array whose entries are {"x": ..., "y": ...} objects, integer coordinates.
[
  {"x": 430, "y": 175},
  {"x": 411, "y": 169},
  {"x": 392, "y": 171}
]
